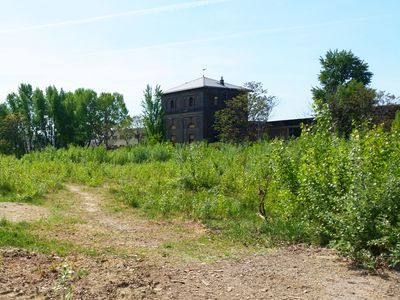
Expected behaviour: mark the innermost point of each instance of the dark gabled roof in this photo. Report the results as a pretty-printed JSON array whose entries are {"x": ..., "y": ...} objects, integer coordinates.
[{"x": 203, "y": 82}]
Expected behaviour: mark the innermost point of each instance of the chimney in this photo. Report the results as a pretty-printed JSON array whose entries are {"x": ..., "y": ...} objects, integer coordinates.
[{"x": 221, "y": 81}]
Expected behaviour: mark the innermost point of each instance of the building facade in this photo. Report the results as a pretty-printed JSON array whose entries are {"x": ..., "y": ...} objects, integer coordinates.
[{"x": 190, "y": 108}]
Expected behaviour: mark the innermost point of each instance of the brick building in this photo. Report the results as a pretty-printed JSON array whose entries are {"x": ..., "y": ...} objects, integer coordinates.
[{"x": 190, "y": 108}]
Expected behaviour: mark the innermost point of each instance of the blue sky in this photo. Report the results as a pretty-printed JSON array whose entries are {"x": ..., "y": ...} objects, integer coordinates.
[{"x": 122, "y": 45}]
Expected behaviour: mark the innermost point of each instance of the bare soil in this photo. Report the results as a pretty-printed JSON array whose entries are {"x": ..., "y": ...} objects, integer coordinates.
[
  {"x": 18, "y": 212},
  {"x": 295, "y": 272}
]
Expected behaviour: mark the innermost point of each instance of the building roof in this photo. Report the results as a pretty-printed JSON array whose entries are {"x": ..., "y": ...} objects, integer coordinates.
[{"x": 204, "y": 82}]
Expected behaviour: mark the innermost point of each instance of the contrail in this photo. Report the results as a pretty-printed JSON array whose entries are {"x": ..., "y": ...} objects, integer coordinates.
[
  {"x": 248, "y": 33},
  {"x": 138, "y": 12}
]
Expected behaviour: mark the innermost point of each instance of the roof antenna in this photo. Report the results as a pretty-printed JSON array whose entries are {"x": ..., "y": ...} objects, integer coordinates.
[{"x": 204, "y": 69}]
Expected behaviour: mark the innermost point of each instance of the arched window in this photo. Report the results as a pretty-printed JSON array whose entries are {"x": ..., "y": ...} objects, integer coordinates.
[{"x": 191, "y": 102}]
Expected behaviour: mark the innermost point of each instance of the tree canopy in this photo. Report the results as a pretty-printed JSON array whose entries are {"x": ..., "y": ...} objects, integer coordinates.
[
  {"x": 260, "y": 104},
  {"x": 32, "y": 119},
  {"x": 231, "y": 122},
  {"x": 344, "y": 90},
  {"x": 248, "y": 110},
  {"x": 153, "y": 114}
]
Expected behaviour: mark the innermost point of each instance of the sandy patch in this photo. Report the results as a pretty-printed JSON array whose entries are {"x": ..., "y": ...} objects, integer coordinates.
[{"x": 18, "y": 212}]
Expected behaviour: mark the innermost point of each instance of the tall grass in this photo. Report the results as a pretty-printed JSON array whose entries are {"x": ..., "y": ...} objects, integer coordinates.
[{"x": 319, "y": 188}]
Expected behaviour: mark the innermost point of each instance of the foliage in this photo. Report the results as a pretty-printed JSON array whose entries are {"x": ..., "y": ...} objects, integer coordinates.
[
  {"x": 111, "y": 111},
  {"x": 320, "y": 188},
  {"x": 344, "y": 80},
  {"x": 234, "y": 123},
  {"x": 33, "y": 119},
  {"x": 231, "y": 122},
  {"x": 396, "y": 122},
  {"x": 383, "y": 98},
  {"x": 259, "y": 102},
  {"x": 153, "y": 114},
  {"x": 351, "y": 103},
  {"x": 339, "y": 68}
]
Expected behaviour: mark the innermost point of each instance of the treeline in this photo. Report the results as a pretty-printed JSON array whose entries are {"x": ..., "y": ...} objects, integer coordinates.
[{"x": 32, "y": 119}]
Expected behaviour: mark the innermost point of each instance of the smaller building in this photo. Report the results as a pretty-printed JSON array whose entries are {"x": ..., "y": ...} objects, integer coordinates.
[{"x": 286, "y": 128}]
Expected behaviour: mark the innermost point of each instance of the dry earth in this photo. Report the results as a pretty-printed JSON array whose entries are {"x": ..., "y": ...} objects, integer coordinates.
[
  {"x": 295, "y": 272},
  {"x": 18, "y": 212}
]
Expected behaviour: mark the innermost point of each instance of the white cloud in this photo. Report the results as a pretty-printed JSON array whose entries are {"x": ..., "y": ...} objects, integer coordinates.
[{"x": 139, "y": 12}]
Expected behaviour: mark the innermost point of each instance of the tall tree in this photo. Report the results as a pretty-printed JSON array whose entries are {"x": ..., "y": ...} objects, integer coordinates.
[
  {"x": 259, "y": 102},
  {"x": 12, "y": 135},
  {"x": 137, "y": 124},
  {"x": 153, "y": 114},
  {"x": 231, "y": 122},
  {"x": 344, "y": 80},
  {"x": 87, "y": 119},
  {"x": 112, "y": 111},
  {"x": 260, "y": 105},
  {"x": 21, "y": 104},
  {"x": 40, "y": 118}
]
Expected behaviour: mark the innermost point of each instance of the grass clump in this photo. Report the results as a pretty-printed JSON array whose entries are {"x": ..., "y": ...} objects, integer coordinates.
[{"x": 19, "y": 235}]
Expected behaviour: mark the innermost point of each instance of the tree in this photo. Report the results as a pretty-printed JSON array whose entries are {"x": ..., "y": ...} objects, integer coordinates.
[
  {"x": 153, "y": 114},
  {"x": 131, "y": 127},
  {"x": 383, "y": 98},
  {"x": 86, "y": 116},
  {"x": 40, "y": 119},
  {"x": 260, "y": 104},
  {"x": 351, "y": 103},
  {"x": 231, "y": 122},
  {"x": 137, "y": 124},
  {"x": 111, "y": 111},
  {"x": 11, "y": 135},
  {"x": 21, "y": 105},
  {"x": 344, "y": 80},
  {"x": 255, "y": 105}
]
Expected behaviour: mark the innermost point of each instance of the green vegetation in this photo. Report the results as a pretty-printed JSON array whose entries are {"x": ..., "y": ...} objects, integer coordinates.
[
  {"x": 337, "y": 185},
  {"x": 320, "y": 188},
  {"x": 344, "y": 90},
  {"x": 153, "y": 114},
  {"x": 32, "y": 119},
  {"x": 20, "y": 235},
  {"x": 233, "y": 123}
]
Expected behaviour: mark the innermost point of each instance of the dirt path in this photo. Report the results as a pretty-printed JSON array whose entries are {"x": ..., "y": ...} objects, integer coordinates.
[
  {"x": 120, "y": 230},
  {"x": 290, "y": 273}
]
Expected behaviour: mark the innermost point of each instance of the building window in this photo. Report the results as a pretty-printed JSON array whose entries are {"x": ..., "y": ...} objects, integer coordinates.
[
  {"x": 215, "y": 100},
  {"x": 172, "y": 104},
  {"x": 191, "y": 102}
]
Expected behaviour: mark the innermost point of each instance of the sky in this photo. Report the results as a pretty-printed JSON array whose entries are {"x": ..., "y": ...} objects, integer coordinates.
[{"x": 123, "y": 45}]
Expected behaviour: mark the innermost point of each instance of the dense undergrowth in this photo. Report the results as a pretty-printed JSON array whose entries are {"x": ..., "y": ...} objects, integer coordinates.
[{"x": 319, "y": 188}]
